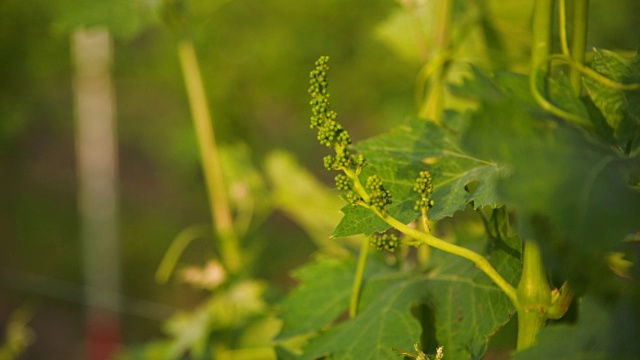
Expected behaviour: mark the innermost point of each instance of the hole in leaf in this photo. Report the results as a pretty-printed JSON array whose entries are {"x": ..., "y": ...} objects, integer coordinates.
[
  {"x": 425, "y": 315},
  {"x": 471, "y": 186}
]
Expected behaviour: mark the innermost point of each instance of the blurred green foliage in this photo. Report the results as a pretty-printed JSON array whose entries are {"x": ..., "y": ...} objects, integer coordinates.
[{"x": 255, "y": 57}]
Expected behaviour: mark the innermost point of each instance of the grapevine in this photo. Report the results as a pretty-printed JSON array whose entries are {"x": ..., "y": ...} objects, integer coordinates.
[{"x": 374, "y": 195}]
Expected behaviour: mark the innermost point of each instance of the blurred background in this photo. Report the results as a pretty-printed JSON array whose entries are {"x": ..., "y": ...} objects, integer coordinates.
[{"x": 255, "y": 57}]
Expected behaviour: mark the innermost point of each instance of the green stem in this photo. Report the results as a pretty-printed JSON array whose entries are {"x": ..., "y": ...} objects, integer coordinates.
[
  {"x": 357, "y": 281},
  {"x": 477, "y": 259},
  {"x": 534, "y": 296},
  {"x": 550, "y": 107},
  {"x": 578, "y": 41},
  {"x": 541, "y": 41},
  {"x": 220, "y": 209},
  {"x": 534, "y": 293},
  {"x": 357, "y": 185},
  {"x": 562, "y": 14},
  {"x": 540, "y": 50},
  {"x": 594, "y": 75},
  {"x": 540, "y": 56}
]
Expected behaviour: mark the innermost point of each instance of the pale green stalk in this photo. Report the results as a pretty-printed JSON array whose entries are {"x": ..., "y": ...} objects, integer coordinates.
[
  {"x": 541, "y": 48},
  {"x": 357, "y": 185},
  {"x": 357, "y": 281},
  {"x": 540, "y": 54},
  {"x": 578, "y": 41},
  {"x": 594, "y": 75},
  {"x": 541, "y": 42},
  {"x": 562, "y": 14},
  {"x": 573, "y": 57},
  {"x": 220, "y": 209},
  {"x": 548, "y": 106},
  {"x": 534, "y": 295}
]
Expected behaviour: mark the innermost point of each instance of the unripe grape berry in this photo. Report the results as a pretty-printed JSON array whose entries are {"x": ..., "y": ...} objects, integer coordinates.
[
  {"x": 359, "y": 161},
  {"x": 342, "y": 160},
  {"x": 329, "y": 162},
  {"x": 343, "y": 182},
  {"x": 353, "y": 198}
]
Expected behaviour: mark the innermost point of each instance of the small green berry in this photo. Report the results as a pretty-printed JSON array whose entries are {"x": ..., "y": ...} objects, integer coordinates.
[
  {"x": 342, "y": 160},
  {"x": 353, "y": 198},
  {"x": 329, "y": 162},
  {"x": 359, "y": 161},
  {"x": 342, "y": 182},
  {"x": 343, "y": 138},
  {"x": 330, "y": 132}
]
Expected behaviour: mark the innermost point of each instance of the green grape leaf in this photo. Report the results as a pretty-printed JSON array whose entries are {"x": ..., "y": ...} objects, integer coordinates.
[
  {"x": 561, "y": 95},
  {"x": 399, "y": 156},
  {"x": 477, "y": 86},
  {"x": 467, "y": 309},
  {"x": 568, "y": 190},
  {"x": 383, "y": 323},
  {"x": 325, "y": 285},
  {"x": 621, "y": 109},
  {"x": 600, "y": 333},
  {"x": 481, "y": 86},
  {"x": 358, "y": 220}
]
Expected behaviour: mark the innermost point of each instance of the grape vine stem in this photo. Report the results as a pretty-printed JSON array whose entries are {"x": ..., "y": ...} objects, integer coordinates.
[{"x": 480, "y": 262}]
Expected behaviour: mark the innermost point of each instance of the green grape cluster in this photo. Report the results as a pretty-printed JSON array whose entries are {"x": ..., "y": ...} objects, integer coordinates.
[
  {"x": 330, "y": 132},
  {"x": 319, "y": 93},
  {"x": 386, "y": 241},
  {"x": 424, "y": 187},
  {"x": 380, "y": 196}
]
